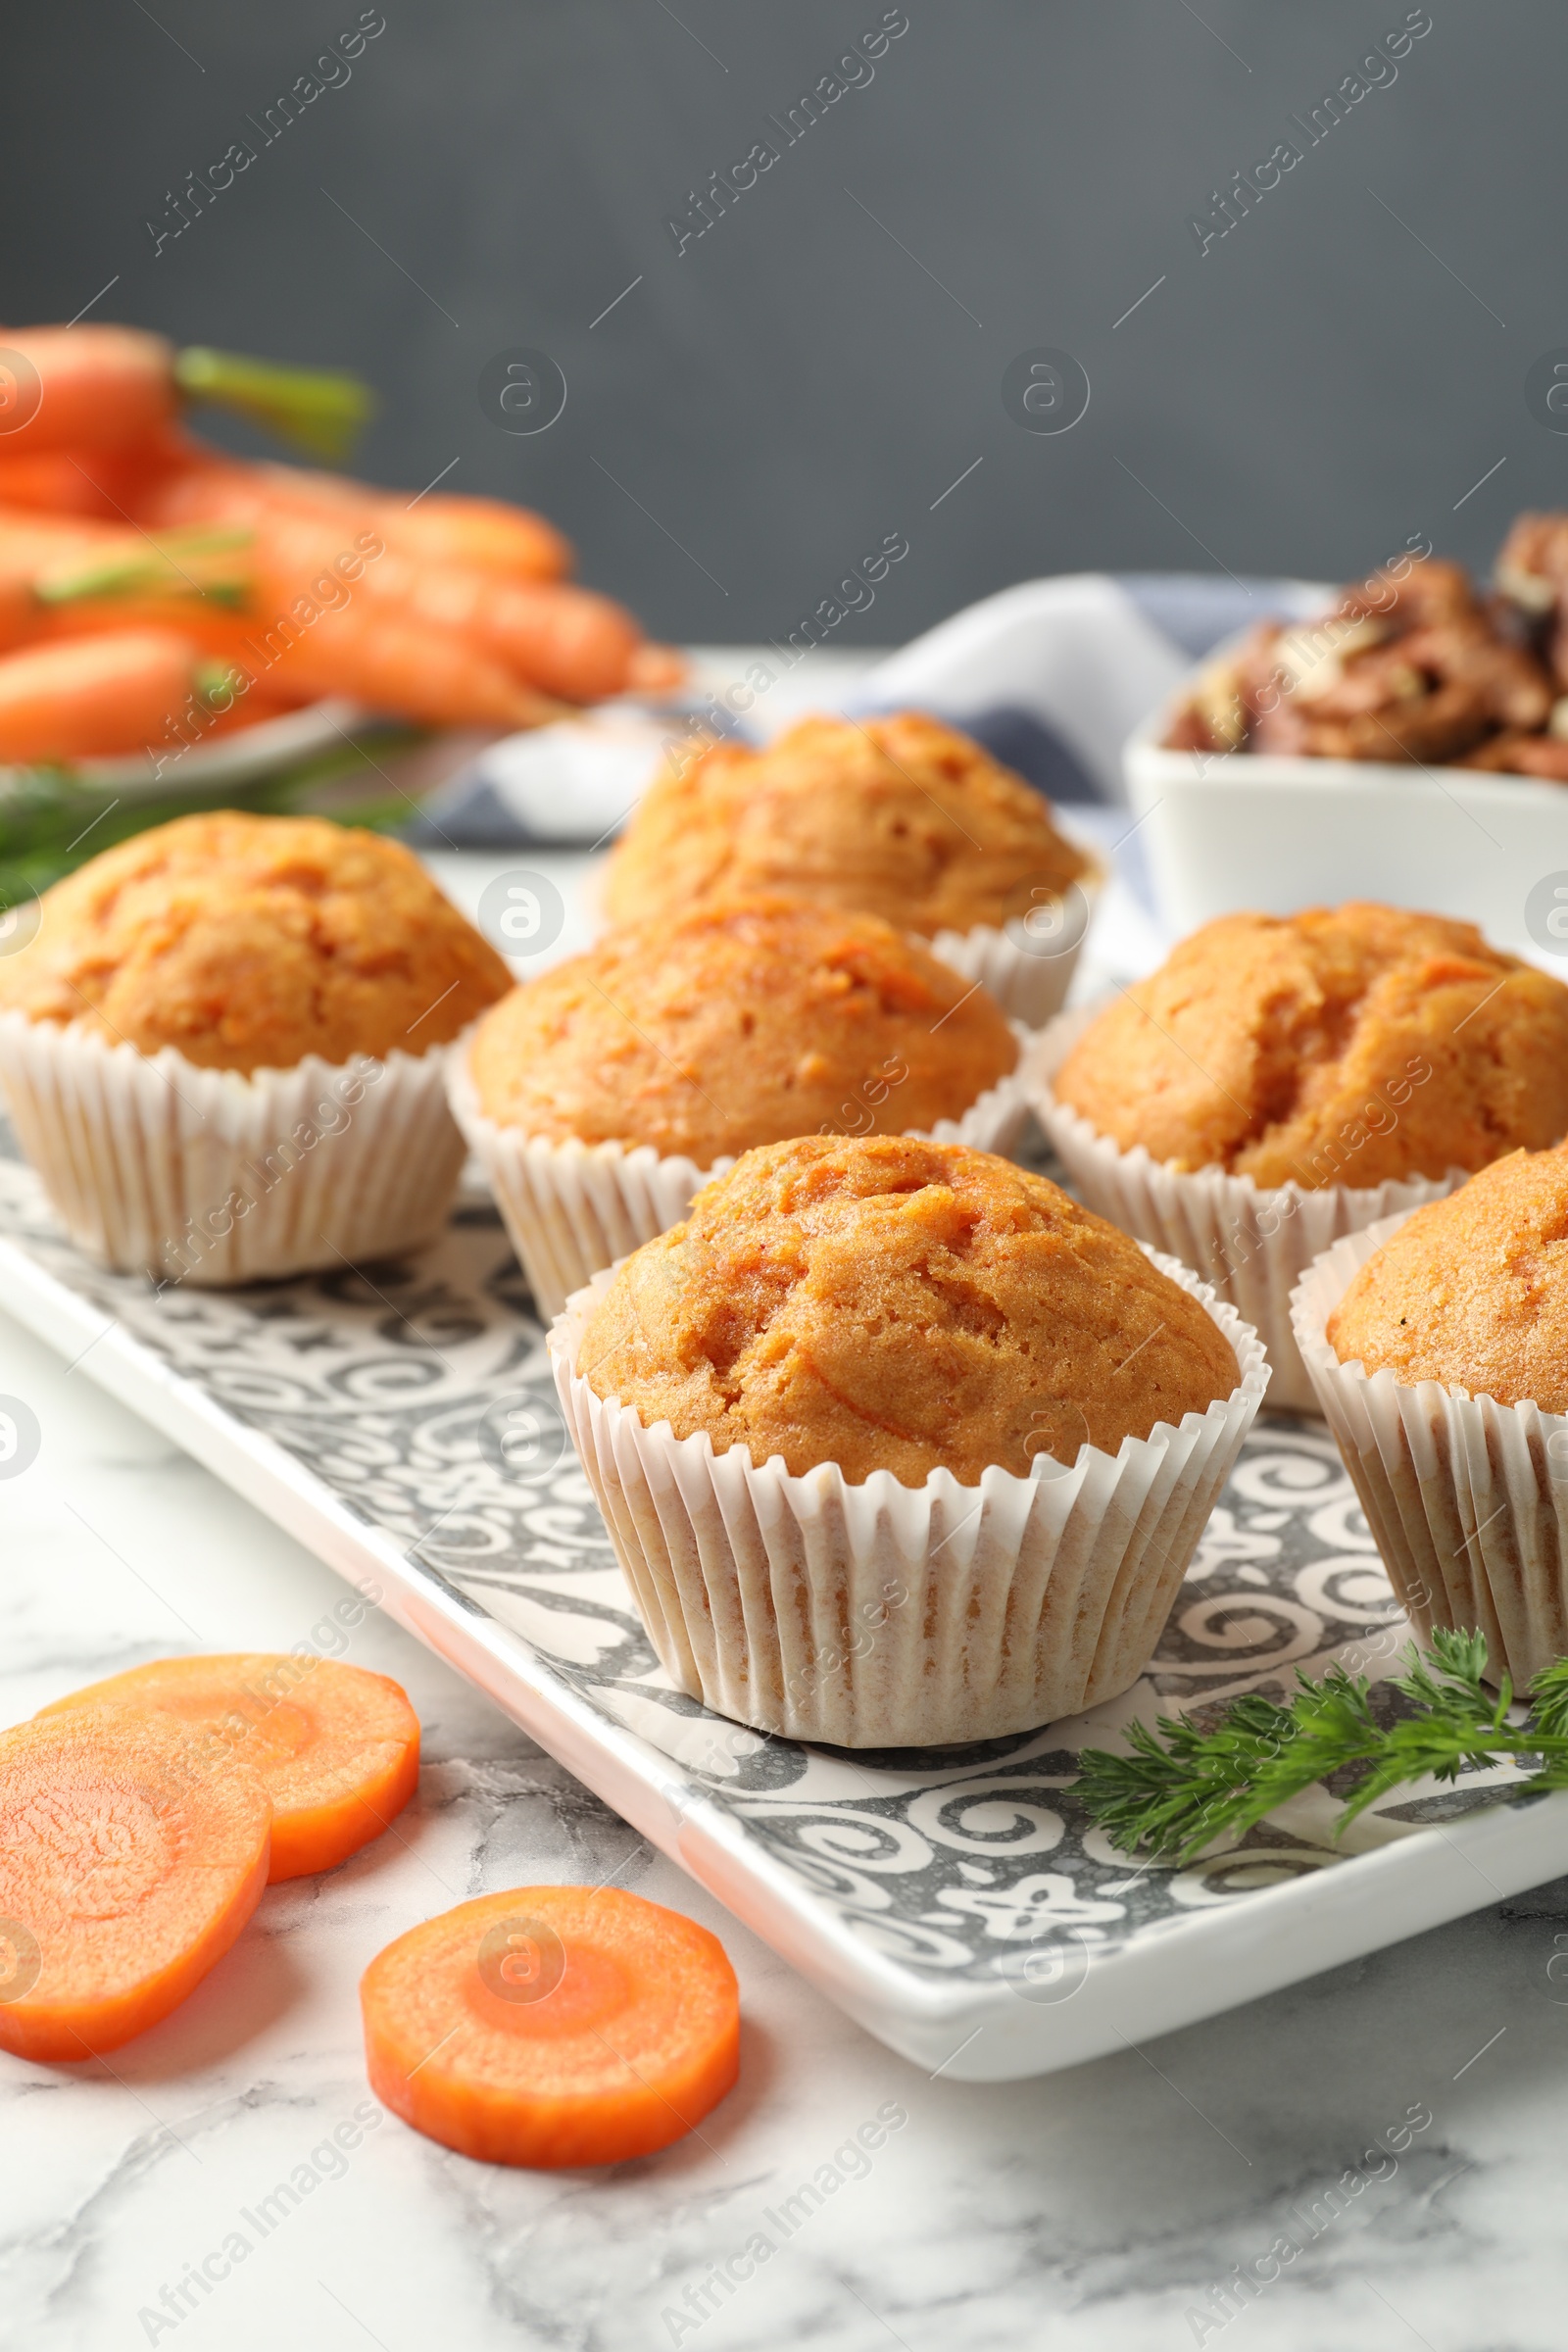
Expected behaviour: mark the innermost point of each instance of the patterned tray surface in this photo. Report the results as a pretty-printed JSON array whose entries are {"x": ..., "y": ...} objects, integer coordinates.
[{"x": 421, "y": 1396}]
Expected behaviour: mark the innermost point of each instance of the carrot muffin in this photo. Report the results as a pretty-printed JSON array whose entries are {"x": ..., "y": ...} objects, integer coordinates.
[
  {"x": 902, "y": 1305},
  {"x": 1438, "y": 1346},
  {"x": 1473, "y": 1290},
  {"x": 900, "y": 815},
  {"x": 739, "y": 1023},
  {"x": 600, "y": 1095},
  {"x": 1282, "y": 1081},
  {"x": 1361, "y": 1042},
  {"x": 248, "y": 942},
  {"x": 222, "y": 1046},
  {"x": 871, "y": 1432}
]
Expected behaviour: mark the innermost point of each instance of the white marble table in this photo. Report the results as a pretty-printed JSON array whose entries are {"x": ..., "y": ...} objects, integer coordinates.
[{"x": 1102, "y": 2208}]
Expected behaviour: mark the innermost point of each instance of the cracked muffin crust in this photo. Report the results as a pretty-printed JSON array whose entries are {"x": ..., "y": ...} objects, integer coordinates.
[
  {"x": 889, "y": 1304},
  {"x": 249, "y": 942},
  {"x": 900, "y": 816},
  {"x": 1473, "y": 1290},
  {"x": 739, "y": 1023},
  {"x": 1352, "y": 1044}
]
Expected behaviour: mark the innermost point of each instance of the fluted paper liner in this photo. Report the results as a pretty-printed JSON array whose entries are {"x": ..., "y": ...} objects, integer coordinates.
[
  {"x": 1467, "y": 1497},
  {"x": 154, "y": 1164},
  {"x": 1251, "y": 1241},
  {"x": 880, "y": 1615},
  {"x": 572, "y": 1207},
  {"x": 1028, "y": 976}
]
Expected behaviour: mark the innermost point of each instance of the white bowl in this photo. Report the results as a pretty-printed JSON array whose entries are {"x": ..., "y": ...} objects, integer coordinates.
[{"x": 1242, "y": 829}]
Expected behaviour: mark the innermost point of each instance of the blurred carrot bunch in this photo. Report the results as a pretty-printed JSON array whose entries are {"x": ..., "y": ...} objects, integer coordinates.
[{"x": 155, "y": 591}]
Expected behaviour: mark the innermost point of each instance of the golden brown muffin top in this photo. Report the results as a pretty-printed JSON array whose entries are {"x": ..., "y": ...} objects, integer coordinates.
[
  {"x": 740, "y": 1022},
  {"x": 248, "y": 942},
  {"x": 1472, "y": 1289},
  {"x": 900, "y": 816},
  {"x": 886, "y": 1304},
  {"x": 1348, "y": 1045}
]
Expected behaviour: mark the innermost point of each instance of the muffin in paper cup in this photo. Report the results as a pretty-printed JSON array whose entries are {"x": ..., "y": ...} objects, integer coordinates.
[
  {"x": 600, "y": 1097},
  {"x": 571, "y": 1208},
  {"x": 1251, "y": 1241},
  {"x": 882, "y": 1615},
  {"x": 156, "y": 1165},
  {"x": 203, "y": 1041},
  {"x": 1466, "y": 1497}
]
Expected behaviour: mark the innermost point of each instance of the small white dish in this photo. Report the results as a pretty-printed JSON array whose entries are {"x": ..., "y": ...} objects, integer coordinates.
[{"x": 1223, "y": 831}]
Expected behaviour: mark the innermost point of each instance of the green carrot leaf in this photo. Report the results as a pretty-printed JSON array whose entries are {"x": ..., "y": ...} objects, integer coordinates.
[{"x": 320, "y": 412}]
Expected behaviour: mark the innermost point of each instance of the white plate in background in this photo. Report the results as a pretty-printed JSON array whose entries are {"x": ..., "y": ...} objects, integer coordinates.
[{"x": 240, "y": 757}]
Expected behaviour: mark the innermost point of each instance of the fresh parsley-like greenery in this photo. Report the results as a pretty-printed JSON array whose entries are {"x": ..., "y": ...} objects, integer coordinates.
[{"x": 1181, "y": 1787}]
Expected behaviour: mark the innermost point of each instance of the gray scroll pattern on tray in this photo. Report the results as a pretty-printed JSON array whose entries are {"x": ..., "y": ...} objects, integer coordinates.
[{"x": 421, "y": 1396}]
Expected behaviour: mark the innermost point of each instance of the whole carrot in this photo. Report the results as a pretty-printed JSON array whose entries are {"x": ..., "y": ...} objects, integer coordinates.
[
  {"x": 88, "y": 387},
  {"x": 432, "y": 676},
  {"x": 484, "y": 535},
  {"x": 108, "y": 387},
  {"x": 95, "y": 697},
  {"x": 63, "y": 577},
  {"x": 564, "y": 640},
  {"x": 295, "y": 616},
  {"x": 105, "y": 484}
]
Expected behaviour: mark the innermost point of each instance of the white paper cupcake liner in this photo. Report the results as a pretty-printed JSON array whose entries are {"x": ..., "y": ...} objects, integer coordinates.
[
  {"x": 1250, "y": 1242},
  {"x": 1028, "y": 966},
  {"x": 154, "y": 1164},
  {"x": 880, "y": 1615},
  {"x": 572, "y": 1207},
  {"x": 1467, "y": 1497}
]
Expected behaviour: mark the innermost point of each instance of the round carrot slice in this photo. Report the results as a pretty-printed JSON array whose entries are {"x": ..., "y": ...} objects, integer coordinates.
[
  {"x": 552, "y": 2026},
  {"x": 126, "y": 1869},
  {"x": 337, "y": 1749}
]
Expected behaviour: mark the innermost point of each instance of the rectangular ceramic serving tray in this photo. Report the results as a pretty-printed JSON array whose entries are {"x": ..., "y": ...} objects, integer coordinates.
[{"x": 957, "y": 1902}]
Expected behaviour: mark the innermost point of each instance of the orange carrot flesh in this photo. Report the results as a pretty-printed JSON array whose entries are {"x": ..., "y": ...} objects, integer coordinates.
[
  {"x": 336, "y": 1748},
  {"x": 552, "y": 2026},
  {"x": 126, "y": 1873},
  {"x": 94, "y": 697},
  {"x": 95, "y": 388}
]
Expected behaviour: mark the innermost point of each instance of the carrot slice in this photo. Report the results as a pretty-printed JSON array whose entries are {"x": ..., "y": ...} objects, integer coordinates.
[
  {"x": 126, "y": 1870},
  {"x": 552, "y": 2026},
  {"x": 337, "y": 1749}
]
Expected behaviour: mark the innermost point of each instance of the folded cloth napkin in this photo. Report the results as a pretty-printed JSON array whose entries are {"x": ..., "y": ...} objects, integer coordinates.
[{"x": 1052, "y": 676}]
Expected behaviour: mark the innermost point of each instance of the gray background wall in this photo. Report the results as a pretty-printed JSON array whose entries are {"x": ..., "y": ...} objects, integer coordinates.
[{"x": 1322, "y": 382}]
